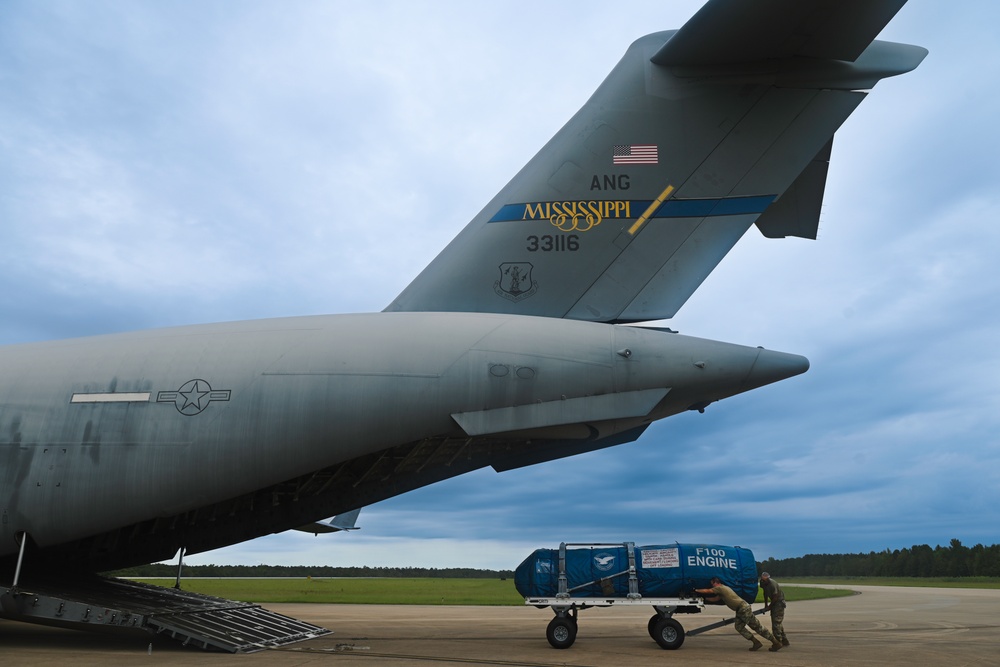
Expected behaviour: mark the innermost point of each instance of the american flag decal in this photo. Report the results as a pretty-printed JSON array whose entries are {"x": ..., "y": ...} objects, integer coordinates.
[{"x": 636, "y": 154}]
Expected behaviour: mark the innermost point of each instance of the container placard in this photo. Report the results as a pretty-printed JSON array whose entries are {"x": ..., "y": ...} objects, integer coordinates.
[{"x": 661, "y": 558}]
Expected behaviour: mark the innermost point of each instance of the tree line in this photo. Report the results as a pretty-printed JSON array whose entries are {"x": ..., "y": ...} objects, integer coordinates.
[
  {"x": 157, "y": 570},
  {"x": 954, "y": 560}
]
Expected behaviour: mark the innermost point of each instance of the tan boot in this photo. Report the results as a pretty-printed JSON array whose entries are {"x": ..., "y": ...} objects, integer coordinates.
[
  {"x": 756, "y": 644},
  {"x": 784, "y": 642},
  {"x": 775, "y": 645}
]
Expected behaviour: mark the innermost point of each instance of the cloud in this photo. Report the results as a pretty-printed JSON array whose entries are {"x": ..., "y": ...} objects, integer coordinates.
[{"x": 183, "y": 163}]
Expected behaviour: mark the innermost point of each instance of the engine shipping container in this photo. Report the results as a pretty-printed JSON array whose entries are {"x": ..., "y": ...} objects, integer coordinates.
[{"x": 662, "y": 571}]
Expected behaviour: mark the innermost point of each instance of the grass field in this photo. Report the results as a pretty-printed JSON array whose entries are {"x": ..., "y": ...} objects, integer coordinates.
[
  {"x": 357, "y": 591},
  {"x": 920, "y": 582},
  {"x": 488, "y": 592}
]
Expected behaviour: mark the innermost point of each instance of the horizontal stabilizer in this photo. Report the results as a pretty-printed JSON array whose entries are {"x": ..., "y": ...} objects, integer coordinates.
[
  {"x": 586, "y": 409},
  {"x": 737, "y": 31}
]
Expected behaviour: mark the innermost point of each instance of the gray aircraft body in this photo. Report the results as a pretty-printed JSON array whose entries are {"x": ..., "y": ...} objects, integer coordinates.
[{"x": 513, "y": 347}]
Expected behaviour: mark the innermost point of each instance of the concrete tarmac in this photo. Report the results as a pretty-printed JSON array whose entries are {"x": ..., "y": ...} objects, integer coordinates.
[{"x": 879, "y": 626}]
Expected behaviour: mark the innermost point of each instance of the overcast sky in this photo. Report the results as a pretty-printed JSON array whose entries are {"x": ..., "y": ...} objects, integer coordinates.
[{"x": 185, "y": 162}]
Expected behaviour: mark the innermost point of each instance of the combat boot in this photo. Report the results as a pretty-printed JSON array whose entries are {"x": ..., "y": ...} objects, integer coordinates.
[
  {"x": 784, "y": 642},
  {"x": 756, "y": 644},
  {"x": 775, "y": 645}
]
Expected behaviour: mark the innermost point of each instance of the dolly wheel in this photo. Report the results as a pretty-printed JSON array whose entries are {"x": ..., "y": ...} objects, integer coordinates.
[
  {"x": 649, "y": 626},
  {"x": 668, "y": 633},
  {"x": 561, "y": 632}
]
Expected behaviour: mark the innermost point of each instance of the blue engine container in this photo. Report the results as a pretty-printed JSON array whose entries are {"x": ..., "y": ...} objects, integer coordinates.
[{"x": 662, "y": 571}]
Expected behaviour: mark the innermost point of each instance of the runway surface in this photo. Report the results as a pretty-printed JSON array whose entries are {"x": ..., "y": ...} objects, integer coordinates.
[{"x": 879, "y": 626}]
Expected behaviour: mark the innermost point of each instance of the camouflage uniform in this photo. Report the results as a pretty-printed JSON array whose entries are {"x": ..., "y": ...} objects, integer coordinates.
[
  {"x": 774, "y": 601},
  {"x": 744, "y": 614}
]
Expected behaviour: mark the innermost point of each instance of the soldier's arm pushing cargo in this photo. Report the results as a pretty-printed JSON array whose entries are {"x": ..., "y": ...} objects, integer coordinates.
[{"x": 772, "y": 592}]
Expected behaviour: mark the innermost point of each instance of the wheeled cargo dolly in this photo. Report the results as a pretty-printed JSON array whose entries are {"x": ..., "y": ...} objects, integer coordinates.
[{"x": 662, "y": 627}]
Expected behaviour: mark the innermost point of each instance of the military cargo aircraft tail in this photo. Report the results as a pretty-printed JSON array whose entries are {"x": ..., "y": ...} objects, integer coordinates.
[
  {"x": 696, "y": 135},
  {"x": 122, "y": 449}
]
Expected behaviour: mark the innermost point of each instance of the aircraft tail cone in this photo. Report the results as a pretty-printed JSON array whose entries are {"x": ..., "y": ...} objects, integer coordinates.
[{"x": 772, "y": 366}]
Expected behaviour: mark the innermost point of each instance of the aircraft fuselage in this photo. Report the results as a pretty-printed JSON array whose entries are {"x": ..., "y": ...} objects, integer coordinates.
[{"x": 111, "y": 431}]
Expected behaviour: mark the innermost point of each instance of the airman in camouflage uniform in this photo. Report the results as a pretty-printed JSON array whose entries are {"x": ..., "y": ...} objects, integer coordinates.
[
  {"x": 744, "y": 614},
  {"x": 774, "y": 601}
]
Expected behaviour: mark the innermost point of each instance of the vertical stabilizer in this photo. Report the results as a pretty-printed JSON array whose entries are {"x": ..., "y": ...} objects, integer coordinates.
[{"x": 696, "y": 135}]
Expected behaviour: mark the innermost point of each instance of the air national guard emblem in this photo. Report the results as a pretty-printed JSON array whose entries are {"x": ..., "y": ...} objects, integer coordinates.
[
  {"x": 604, "y": 561},
  {"x": 515, "y": 281}
]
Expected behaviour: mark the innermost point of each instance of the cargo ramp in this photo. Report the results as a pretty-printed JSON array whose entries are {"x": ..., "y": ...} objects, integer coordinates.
[{"x": 118, "y": 605}]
